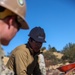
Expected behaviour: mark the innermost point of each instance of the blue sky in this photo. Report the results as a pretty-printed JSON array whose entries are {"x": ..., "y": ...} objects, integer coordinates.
[{"x": 57, "y": 17}]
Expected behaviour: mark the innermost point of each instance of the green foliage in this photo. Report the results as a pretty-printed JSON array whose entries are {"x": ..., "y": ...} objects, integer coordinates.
[
  {"x": 50, "y": 56},
  {"x": 52, "y": 49},
  {"x": 69, "y": 53},
  {"x": 43, "y": 48}
]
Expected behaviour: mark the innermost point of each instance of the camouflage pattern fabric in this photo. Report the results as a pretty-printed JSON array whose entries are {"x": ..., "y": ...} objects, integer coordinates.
[
  {"x": 3, "y": 69},
  {"x": 42, "y": 64}
]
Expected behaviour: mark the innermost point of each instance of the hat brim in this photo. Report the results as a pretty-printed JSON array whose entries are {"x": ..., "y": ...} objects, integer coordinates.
[{"x": 24, "y": 25}]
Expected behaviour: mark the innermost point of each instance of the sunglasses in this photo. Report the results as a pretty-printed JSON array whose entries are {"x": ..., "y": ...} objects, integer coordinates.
[{"x": 36, "y": 42}]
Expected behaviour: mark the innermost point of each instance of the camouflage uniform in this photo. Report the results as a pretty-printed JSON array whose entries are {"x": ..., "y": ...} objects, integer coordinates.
[
  {"x": 42, "y": 64},
  {"x": 3, "y": 69}
]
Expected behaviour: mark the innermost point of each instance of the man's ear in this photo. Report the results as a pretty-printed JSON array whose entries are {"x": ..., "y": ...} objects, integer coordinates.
[{"x": 11, "y": 20}]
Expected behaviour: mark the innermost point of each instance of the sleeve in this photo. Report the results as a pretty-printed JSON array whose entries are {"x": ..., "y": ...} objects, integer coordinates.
[
  {"x": 18, "y": 63},
  {"x": 42, "y": 64},
  {"x": 21, "y": 63}
]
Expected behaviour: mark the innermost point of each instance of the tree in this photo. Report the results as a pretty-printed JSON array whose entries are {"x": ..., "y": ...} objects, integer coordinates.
[
  {"x": 53, "y": 49},
  {"x": 51, "y": 58},
  {"x": 69, "y": 53},
  {"x": 43, "y": 48}
]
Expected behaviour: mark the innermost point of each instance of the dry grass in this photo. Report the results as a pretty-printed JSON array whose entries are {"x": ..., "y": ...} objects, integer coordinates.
[{"x": 58, "y": 55}]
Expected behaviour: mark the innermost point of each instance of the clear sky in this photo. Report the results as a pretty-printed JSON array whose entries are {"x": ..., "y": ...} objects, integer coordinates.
[{"x": 57, "y": 17}]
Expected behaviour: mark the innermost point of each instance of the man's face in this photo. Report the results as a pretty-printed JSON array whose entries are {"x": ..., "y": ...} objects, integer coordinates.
[
  {"x": 11, "y": 27},
  {"x": 36, "y": 45}
]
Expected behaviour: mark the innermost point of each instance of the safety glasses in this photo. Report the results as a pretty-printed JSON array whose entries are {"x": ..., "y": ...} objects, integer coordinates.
[{"x": 36, "y": 42}]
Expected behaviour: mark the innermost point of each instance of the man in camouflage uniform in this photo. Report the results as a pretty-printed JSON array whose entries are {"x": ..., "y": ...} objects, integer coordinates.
[
  {"x": 24, "y": 58},
  {"x": 12, "y": 14}
]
